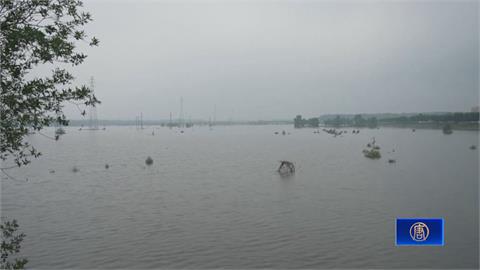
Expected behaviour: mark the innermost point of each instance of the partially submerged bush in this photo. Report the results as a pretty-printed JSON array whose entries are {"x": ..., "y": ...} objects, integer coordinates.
[
  {"x": 372, "y": 154},
  {"x": 149, "y": 161}
]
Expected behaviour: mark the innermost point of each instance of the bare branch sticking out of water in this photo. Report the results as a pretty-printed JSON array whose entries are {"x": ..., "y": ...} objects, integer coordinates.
[{"x": 286, "y": 167}]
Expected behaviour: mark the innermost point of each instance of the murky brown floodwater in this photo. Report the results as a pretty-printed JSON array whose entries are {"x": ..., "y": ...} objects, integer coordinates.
[{"x": 212, "y": 199}]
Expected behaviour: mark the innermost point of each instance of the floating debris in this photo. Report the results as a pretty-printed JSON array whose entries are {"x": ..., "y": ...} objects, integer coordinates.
[
  {"x": 286, "y": 167},
  {"x": 392, "y": 161},
  {"x": 473, "y": 147},
  {"x": 74, "y": 169},
  {"x": 149, "y": 161},
  {"x": 107, "y": 166},
  {"x": 283, "y": 132},
  {"x": 413, "y": 130},
  {"x": 52, "y": 171},
  {"x": 276, "y": 132}
]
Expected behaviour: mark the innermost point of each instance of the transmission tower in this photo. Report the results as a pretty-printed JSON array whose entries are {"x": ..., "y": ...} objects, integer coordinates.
[{"x": 93, "y": 119}]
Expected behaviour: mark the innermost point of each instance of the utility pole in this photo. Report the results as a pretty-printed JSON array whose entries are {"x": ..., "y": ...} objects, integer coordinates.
[
  {"x": 214, "y": 114},
  {"x": 180, "y": 119}
]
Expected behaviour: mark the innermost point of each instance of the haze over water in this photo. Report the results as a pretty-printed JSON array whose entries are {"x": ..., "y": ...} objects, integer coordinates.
[{"x": 213, "y": 199}]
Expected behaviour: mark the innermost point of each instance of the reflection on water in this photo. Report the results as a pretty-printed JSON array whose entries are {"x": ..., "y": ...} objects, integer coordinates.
[{"x": 213, "y": 199}]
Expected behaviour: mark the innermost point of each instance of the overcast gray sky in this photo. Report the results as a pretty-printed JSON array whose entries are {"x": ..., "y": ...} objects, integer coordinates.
[{"x": 275, "y": 59}]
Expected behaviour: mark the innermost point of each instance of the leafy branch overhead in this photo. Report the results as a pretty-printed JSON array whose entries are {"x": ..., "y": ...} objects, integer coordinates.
[
  {"x": 11, "y": 245},
  {"x": 34, "y": 33}
]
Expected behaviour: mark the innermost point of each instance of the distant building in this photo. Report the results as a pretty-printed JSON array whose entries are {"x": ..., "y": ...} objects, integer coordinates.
[{"x": 475, "y": 109}]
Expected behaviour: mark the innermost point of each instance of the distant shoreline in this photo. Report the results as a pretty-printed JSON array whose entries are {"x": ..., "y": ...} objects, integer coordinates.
[
  {"x": 439, "y": 125},
  {"x": 456, "y": 120}
]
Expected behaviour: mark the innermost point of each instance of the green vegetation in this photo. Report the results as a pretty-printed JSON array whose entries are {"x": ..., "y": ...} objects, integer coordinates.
[
  {"x": 36, "y": 33},
  {"x": 299, "y": 122},
  {"x": 10, "y": 246},
  {"x": 372, "y": 153},
  {"x": 356, "y": 121},
  {"x": 460, "y": 120},
  {"x": 456, "y": 117},
  {"x": 32, "y": 34}
]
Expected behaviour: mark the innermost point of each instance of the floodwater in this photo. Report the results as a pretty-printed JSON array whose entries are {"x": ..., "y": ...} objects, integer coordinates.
[{"x": 213, "y": 199}]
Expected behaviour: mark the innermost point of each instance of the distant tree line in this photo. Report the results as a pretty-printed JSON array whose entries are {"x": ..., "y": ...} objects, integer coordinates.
[
  {"x": 300, "y": 122},
  {"x": 360, "y": 121},
  {"x": 448, "y": 117},
  {"x": 357, "y": 121}
]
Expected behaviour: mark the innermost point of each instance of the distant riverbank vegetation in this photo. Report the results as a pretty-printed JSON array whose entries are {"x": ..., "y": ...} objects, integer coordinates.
[
  {"x": 300, "y": 122},
  {"x": 458, "y": 120},
  {"x": 466, "y": 120}
]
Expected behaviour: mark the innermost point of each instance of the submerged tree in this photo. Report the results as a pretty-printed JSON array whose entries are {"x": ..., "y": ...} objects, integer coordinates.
[
  {"x": 298, "y": 122},
  {"x": 35, "y": 33}
]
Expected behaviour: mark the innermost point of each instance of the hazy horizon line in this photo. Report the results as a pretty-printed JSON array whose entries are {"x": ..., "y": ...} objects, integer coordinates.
[{"x": 176, "y": 119}]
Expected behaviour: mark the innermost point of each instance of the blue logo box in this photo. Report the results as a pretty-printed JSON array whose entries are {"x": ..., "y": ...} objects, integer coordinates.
[{"x": 419, "y": 232}]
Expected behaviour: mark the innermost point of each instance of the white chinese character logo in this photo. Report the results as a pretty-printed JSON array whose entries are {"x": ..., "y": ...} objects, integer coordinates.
[{"x": 419, "y": 232}]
